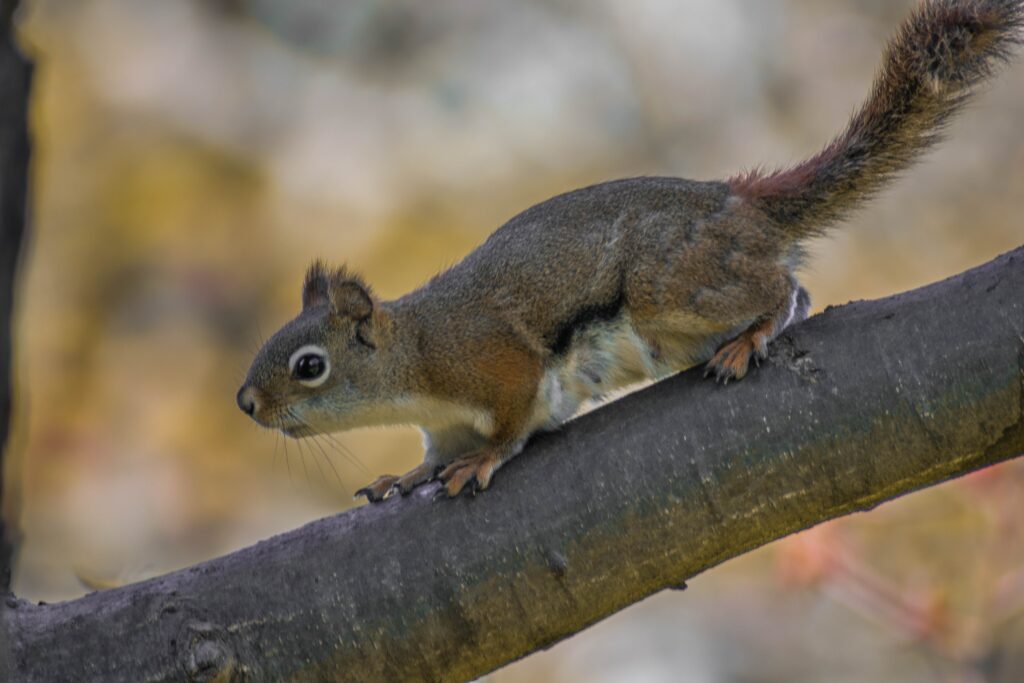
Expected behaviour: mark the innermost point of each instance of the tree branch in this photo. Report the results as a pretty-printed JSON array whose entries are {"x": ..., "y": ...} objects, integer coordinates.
[
  {"x": 856, "y": 406},
  {"x": 15, "y": 77}
]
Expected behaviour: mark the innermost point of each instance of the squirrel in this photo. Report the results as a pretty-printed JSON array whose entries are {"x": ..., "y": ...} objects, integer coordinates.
[{"x": 609, "y": 285}]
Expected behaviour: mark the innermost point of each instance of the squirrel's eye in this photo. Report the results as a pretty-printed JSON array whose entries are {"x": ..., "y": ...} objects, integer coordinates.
[{"x": 310, "y": 365}]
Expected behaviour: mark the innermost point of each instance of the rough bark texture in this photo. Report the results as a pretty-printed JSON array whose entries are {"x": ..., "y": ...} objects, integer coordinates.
[
  {"x": 857, "y": 405},
  {"x": 15, "y": 76}
]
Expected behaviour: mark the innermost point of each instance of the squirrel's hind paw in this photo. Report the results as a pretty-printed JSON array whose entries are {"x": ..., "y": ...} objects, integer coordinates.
[{"x": 733, "y": 360}]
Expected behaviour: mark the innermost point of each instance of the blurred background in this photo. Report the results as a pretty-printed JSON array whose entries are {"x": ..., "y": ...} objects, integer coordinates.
[{"x": 192, "y": 157}]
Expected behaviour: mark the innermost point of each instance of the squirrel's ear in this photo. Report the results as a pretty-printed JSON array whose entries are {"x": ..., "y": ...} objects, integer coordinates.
[
  {"x": 350, "y": 298},
  {"x": 345, "y": 292}
]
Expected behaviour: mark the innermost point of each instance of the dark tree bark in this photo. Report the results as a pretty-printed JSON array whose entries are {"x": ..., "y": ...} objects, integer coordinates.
[
  {"x": 15, "y": 77},
  {"x": 856, "y": 406}
]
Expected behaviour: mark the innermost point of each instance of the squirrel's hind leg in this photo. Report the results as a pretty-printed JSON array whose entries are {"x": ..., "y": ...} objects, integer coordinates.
[{"x": 732, "y": 360}]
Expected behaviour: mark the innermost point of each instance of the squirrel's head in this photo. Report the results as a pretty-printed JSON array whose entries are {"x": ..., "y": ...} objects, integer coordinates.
[{"x": 320, "y": 371}]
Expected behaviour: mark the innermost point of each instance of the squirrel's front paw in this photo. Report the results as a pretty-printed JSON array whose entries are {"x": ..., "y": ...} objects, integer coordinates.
[
  {"x": 387, "y": 485},
  {"x": 379, "y": 489},
  {"x": 477, "y": 468}
]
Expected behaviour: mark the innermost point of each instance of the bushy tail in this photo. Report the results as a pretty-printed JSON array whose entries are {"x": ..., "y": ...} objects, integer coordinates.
[{"x": 930, "y": 68}]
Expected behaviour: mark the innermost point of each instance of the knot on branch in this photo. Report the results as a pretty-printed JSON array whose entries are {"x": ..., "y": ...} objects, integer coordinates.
[
  {"x": 789, "y": 355},
  {"x": 207, "y": 656}
]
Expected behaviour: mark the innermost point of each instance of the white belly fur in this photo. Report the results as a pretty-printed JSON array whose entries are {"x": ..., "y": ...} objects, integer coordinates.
[{"x": 604, "y": 357}]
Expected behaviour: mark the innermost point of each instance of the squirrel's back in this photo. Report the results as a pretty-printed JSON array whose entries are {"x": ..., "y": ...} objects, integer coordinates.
[
  {"x": 608, "y": 229},
  {"x": 936, "y": 60}
]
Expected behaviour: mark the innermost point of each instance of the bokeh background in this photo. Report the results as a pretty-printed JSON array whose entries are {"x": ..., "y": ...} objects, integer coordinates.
[{"x": 193, "y": 156}]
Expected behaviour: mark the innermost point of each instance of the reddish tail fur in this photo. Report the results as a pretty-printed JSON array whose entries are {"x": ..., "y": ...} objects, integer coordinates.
[{"x": 930, "y": 69}]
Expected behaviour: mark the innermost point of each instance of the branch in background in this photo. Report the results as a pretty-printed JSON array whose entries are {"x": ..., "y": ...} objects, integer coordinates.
[
  {"x": 856, "y": 406},
  {"x": 15, "y": 79}
]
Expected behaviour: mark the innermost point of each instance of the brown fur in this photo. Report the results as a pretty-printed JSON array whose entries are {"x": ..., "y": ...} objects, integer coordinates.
[{"x": 610, "y": 284}]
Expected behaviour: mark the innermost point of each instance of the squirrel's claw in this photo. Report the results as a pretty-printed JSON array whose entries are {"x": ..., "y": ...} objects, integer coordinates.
[
  {"x": 473, "y": 470},
  {"x": 388, "y": 485},
  {"x": 379, "y": 489},
  {"x": 732, "y": 360},
  {"x": 410, "y": 480}
]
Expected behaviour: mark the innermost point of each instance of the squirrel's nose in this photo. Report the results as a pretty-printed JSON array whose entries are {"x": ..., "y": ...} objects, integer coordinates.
[{"x": 246, "y": 400}]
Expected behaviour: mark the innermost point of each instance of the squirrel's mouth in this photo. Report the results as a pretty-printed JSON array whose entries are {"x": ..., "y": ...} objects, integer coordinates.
[
  {"x": 286, "y": 422},
  {"x": 297, "y": 431}
]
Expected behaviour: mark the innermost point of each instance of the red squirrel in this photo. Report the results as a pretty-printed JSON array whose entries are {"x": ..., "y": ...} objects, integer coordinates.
[{"x": 608, "y": 285}]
